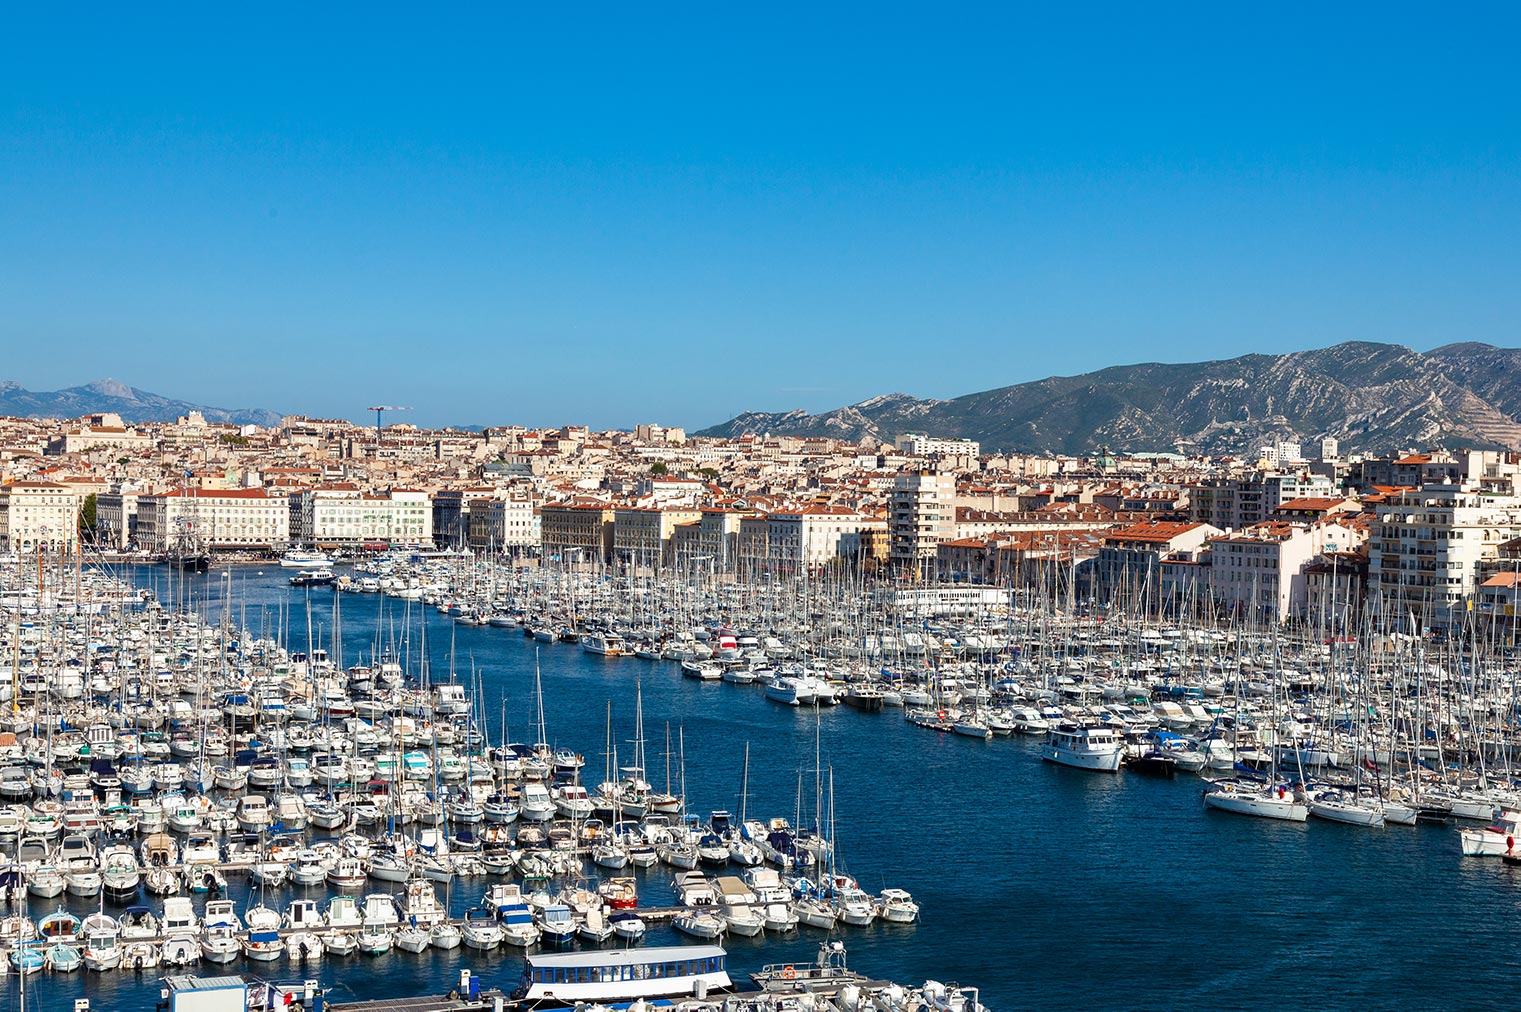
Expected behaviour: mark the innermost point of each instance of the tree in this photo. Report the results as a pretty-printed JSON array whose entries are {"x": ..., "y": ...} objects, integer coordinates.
[
  {"x": 710, "y": 473},
  {"x": 88, "y": 517},
  {"x": 658, "y": 467},
  {"x": 123, "y": 461}
]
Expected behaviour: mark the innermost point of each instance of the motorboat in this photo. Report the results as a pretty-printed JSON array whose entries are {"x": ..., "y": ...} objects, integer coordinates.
[
  {"x": 480, "y": 929},
  {"x": 1084, "y": 746}
]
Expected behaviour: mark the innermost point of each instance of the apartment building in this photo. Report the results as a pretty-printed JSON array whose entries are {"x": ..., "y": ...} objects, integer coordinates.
[
  {"x": 38, "y": 514},
  {"x": 1130, "y": 561},
  {"x": 343, "y": 516},
  {"x": 642, "y": 534},
  {"x": 916, "y": 444},
  {"x": 812, "y": 536},
  {"x": 1428, "y": 545},
  {"x": 116, "y": 518},
  {"x": 240, "y": 518},
  {"x": 1234, "y": 503},
  {"x": 582, "y": 531},
  {"x": 503, "y": 524},
  {"x": 922, "y": 514},
  {"x": 1263, "y": 571}
]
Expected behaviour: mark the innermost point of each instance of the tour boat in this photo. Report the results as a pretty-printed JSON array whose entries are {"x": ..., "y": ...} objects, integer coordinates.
[{"x": 615, "y": 976}]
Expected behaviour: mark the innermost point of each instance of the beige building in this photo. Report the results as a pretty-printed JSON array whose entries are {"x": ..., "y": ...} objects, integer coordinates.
[
  {"x": 922, "y": 514},
  {"x": 38, "y": 514},
  {"x": 642, "y": 534},
  {"x": 216, "y": 519},
  {"x": 503, "y": 523},
  {"x": 104, "y": 431},
  {"x": 577, "y": 531},
  {"x": 1261, "y": 572}
]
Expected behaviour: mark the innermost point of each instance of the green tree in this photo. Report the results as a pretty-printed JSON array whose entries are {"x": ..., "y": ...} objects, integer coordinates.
[
  {"x": 710, "y": 473},
  {"x": 88, "y": 517},
  {"x": 658, "y": 467}
]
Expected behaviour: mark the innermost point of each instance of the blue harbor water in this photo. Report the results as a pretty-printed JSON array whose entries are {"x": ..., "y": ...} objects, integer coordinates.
[{"x": 1041, "y": 885}]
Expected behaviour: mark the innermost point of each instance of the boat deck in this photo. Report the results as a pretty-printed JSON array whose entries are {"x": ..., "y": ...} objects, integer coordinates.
[{"x": 423, "y": 1003}]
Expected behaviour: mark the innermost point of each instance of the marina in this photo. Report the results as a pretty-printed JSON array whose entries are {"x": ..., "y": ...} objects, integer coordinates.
[{"x": 285, "y": 892}]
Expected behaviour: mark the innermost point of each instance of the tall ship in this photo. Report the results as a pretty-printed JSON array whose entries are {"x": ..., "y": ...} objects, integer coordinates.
[{"x": 185, "y": 549}]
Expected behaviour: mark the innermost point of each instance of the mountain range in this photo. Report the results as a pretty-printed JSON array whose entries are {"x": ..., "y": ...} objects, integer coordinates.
[
  {"x": 1369, "y": 396},
  {"x": 107, "y": 395}
]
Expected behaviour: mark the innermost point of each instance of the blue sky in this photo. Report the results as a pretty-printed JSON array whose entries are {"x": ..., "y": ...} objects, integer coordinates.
[{"x": 611, "y": 214}]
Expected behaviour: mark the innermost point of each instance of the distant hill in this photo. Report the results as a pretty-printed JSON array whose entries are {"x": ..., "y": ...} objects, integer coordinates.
[
  {"x": 108, "y": 395},
  {"x": 1370, "y": 396}
]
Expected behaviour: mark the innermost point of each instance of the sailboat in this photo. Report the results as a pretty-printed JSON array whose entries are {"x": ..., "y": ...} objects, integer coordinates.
[{"x": 1268, "y": 800}]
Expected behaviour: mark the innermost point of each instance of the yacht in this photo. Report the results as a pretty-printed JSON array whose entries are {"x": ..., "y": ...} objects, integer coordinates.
[
  {"x": 1088, "y": 747},
  {"x": 1497, "y": 840}
]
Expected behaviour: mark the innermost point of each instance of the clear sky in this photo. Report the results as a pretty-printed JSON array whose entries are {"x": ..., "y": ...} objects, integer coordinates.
[{"x": 652, "y": 212}]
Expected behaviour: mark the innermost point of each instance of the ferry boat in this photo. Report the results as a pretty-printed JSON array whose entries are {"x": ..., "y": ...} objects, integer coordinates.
[
  {"x": 1087, "y": 747},
  {"x": 299, "y": 559},
  {"x": 678, "y": 971}
]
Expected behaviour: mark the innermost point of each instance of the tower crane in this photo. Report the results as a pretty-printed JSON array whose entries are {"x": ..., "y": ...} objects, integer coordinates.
[{"x": 379, "y": 409}]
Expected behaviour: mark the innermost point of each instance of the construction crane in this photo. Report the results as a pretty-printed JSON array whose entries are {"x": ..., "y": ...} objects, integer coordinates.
[{"x": 378, "y": 409}]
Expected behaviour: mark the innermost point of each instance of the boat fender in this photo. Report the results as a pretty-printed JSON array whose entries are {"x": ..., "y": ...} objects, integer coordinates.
[
  {"x": 1510, "y": 843},
  {"x": 788, "y": 973},
  {"x": 1280, "y": 794}
]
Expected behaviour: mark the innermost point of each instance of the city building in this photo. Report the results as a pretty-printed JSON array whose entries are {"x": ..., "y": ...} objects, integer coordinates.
[
  {"x": 507, "y": 524},
  {"x": 1428, "y": 546},
  {"x": 116, "y": 518},
  {"x": 581, "y": 532},
  {"x": 1130, "y": 561},
  {"x": 916, "y": 444},
  {"x": 922, "y": 514},
  {"x": 217, "y": 519},
  {"x": 1263, "y": 571},
  {"x": 345, "y": 516},
  {"x": 38, "y": 514},
  {"x": 1233, "y": 503}
]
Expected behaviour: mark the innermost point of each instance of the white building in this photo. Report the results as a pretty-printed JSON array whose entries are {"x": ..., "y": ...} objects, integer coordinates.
[
  {"x": 1261, "y": 572},
  {"x": 814, "y": 535},
  {"x": 1427, "y": 545},
  {"x": 225, "y": 518},
  {"x": 338, "y": 516},
  {"x": 922, "y": 514},
  {"x": 916, "y": 444},
  {"x": 38, "y": 514}
]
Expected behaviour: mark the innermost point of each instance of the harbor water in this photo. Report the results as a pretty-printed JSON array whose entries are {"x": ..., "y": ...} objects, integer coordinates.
[{"x": 1040, "y": 884}]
